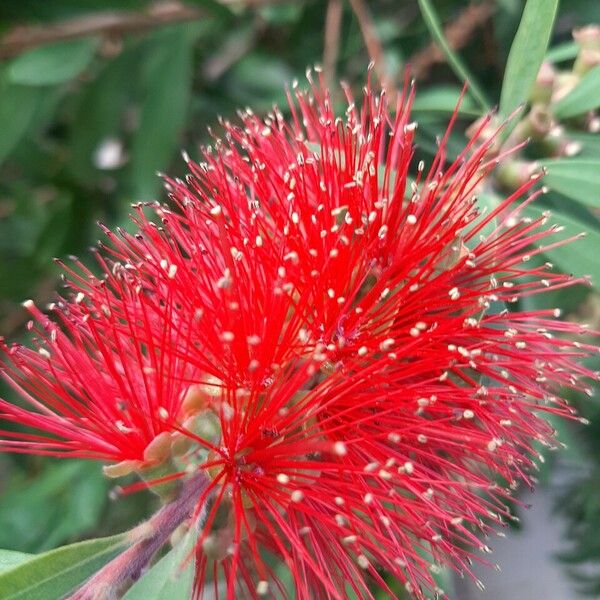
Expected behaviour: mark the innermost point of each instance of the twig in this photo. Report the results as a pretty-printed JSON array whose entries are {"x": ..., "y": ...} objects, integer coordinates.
[
  {"x": 128, "y": 566},
  {"x": 457, "y": 33},
  {"x": 234, "y": 48},
  {"x": 250, "y": 3},
  {"x": 331, "y": 43},
  {"x": 372, "y": 42},
  {"x": 108, "y": 24}
]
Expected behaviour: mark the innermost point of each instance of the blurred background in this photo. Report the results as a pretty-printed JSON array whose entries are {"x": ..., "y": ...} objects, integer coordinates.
[{"x": 96, "y": 96}]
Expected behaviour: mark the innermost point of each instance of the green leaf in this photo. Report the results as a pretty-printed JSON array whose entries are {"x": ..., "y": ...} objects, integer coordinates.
[
  {"x": 10, "y": 559},
  {"x": 164, "y": 109},
  {"x": 578, "y": 257},
  {"x": 428, "y": 134},
  {"x": 51, "y": 238},
  {"x": 257, "y": 80},
  {"x": 99, "y": 115},
  {"x": 487, "y": 203},
  {"x": 590, "y": 143},
  {"x": 54, "y": 63},
  {"x": 216, "y": 8},
  {"x": 443, "y": 99},
  {"x": 167, "y": 578},
  {"x": 281, "y": 14},
  {"x": 51, "y": 575},
  {"x": 584, "y": 97},
  {"x": 527, "y": 53},
  {"x": 64, "y": 501},
  {"x": 433, "y": 24},
  {"x": 576, "y": 178},
  {"x": 569, "y": 299},
  {"x": 18, "y": 106},
  {"x": 563, "y": 52}
]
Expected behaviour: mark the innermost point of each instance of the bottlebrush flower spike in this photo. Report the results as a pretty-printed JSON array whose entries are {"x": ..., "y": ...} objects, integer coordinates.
[
  {"x": 333, "y": 350},
  {"x": 103, "y": 381}
]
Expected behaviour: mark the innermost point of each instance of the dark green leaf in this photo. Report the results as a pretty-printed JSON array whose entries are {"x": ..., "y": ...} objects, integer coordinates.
[
  {"x": 163, "y": 111},
  {"x": 258, "y": 79},
  {"x": 583, "y": 98},
  {"x": 280, "y": 14},
  {"x": 577, "y": 178},
  {"x": 64, "y": 501},
  {"x": 55, "y": 231},
  {"x": 214, "y": 7},
  {"x": 51, "y": 575},
  {"x": 487, "y": 203},
  {"x": 527, "y": 53},
  {"x": 428, "y": 134},
  {"x": 578, "y": 257},
  {"x": 590, "y": 143},
  {"x": 54, "y": 63},
  {"x": 18, "y": 105},
  {"x": 444, "y": 99},
  {"x": 569, "y": 299},
  {"x": 34, "y": 10},
  {"x": 433, "y": 24},
  {"x": 100, "y": 115},
  {"x": 10, "y": 559}
]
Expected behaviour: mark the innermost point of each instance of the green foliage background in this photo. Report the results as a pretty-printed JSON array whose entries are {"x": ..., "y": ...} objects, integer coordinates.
[{"x": 85, "y": 124}]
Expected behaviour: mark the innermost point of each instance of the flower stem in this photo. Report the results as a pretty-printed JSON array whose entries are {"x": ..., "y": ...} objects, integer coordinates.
[{"x": 113, "y": 579}]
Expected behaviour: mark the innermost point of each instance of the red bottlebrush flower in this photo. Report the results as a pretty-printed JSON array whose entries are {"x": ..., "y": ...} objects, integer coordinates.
[
  {"x": 323, "y": 331},
  {"x": 103, "y": 381}
]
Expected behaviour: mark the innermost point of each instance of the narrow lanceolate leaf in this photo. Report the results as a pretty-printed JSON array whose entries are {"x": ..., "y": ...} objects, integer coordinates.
[
  {"x": 578, "y": 258},
  {"x": 169, "y": 578},
  {"x": 99, "y": 116},
  {"x": 590, "y": 143},
  {"x": 10, "y": 559},
  {"x": 563, "y": 52},
  {"x": 433, "y": 24},
  {"x": 576, "y": 178},
  {"x": 584, "y": 97},
  {"x": 163, "y": 110},
  {"x": 443, "y": 99},
  {"x": 215, "y": 8},
  {"x": 51, "y": 575},
  {"x": 53, "y": 64},
  {"x": 18, "y": 106},
  {"x": 527, "y": 53},
  {"x": 66, "y": 500}
]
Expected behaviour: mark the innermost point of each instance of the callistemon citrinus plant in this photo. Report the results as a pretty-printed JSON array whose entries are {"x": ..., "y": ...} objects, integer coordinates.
[{"x": 312, "y": 349}]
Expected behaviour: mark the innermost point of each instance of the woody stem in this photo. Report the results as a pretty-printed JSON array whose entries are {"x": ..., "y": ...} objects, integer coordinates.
[{"x": 126, "y": 568}]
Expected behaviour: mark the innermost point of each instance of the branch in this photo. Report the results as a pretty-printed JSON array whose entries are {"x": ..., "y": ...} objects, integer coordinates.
[
  {"x": 372, "y": 42},
  {"x": 126, "y": 568},
  {"x": 251, "y": 3},
  {"x": 333, "y": 23},
  {"x": 457, "y": 33},
  {"x": 109, "y": 24},
  {"x": 233, "y": 49}
]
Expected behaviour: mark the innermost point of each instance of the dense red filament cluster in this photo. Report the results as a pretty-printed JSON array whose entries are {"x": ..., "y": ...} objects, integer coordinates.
[{"x": 354, "y": 332}]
